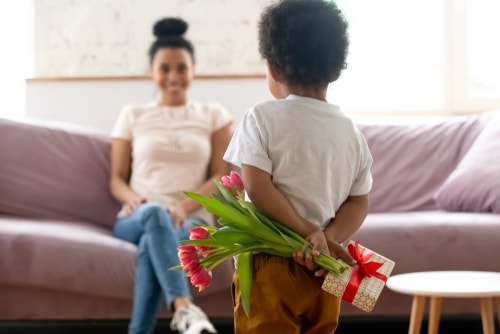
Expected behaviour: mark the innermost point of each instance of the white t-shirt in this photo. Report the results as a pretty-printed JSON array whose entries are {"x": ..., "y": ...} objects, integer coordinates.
[
  {"x": 171, "y": 147},
  {"x": 315, "y": 154}
]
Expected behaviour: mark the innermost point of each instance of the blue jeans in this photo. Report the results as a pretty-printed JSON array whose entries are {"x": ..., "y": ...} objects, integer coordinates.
[{"x": 151, "y": 228}]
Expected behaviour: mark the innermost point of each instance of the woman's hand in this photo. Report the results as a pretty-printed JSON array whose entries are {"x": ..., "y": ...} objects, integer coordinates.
[
  {"x": 178, "y": 214},
  {"x": 133, "y": 204}
]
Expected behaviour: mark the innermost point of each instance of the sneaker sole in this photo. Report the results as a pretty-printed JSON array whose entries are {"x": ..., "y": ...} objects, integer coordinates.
[{"x": 201, "y": 327}]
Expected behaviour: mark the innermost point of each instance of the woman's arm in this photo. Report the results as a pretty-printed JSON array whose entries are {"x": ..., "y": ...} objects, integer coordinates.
[
  {"x": 121, "y": 157},
  {"x": 216, "y": 170}
]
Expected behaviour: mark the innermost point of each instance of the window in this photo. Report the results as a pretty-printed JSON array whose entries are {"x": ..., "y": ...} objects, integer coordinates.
[
  {"x": 412, "y": 56},
  {"x": 483, "y": 49},
  {"x": 16, "y": 18},
  {"x": 420, "y": 56}
]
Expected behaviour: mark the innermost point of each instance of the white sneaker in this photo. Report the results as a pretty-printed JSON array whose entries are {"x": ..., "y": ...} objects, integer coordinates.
[{"x": 191, "y": 320}]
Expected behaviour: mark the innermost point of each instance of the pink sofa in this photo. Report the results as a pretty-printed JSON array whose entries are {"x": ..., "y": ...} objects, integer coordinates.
[
  {"x": 435, "y": 204},
  {"x": 58, "y": 258}
]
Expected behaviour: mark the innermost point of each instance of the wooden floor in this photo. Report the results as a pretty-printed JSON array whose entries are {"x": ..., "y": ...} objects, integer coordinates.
[{"x": 350, "y": 325}]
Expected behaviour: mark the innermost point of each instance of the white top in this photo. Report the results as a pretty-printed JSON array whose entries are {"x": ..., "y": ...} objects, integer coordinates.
[
  {"x": 447, "y": 283},
  {"x": 171, "y": 147},
  {"x": 314, "y": 153}
]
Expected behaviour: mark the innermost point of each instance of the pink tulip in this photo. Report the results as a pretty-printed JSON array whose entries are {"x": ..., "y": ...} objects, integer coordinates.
[
  {"x": 236, "y": 180},
  {"x": 201, "y": 278},
  {"x": 186, "y": 251},
  {"x": 198, "y": 233},
  {"x": 226, "y": 181},
  {"x": 233, "y": 183},
  {"x": 188, "y": 256}
]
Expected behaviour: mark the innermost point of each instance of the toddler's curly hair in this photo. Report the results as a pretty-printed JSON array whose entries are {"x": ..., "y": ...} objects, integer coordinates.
[{"x": 304, "y": 41}]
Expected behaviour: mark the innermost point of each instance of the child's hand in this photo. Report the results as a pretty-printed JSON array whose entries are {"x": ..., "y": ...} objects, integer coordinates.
[
  {"x": 335, "y": 250},
  {"x": 305, "y": 259},
  {"x": 339, "y": 252},
  {"x": 319, "y": 245},
  {"x": 318, "y": 242}
]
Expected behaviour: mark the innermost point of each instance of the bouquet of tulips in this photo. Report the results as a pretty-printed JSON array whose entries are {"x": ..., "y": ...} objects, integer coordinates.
[{"x": 244, "y": 230}]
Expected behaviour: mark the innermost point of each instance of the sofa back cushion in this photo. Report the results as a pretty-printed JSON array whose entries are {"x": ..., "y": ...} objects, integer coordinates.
[
  {"x": 412, "y": 158},
  {"x": 475, "y": 184},
  {"x": 52, "y": 172}
]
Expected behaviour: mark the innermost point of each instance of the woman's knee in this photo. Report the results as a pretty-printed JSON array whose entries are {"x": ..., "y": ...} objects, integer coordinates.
[
  {"x": 154, "y": 214},
  {"x": 151, "y": 207}
]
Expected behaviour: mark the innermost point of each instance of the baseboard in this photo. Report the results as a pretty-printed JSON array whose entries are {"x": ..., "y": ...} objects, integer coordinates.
[
  {"x": 363, "y": 324},
  {"x": 449, "y": 324},
  {"x": 223, "y": 326}
]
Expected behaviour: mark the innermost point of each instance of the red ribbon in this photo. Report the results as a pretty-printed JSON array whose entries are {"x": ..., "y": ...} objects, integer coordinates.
[{"x": 362, "y": 270}]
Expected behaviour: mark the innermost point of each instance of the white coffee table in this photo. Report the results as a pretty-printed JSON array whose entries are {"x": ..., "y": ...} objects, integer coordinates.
[{"x": 448, "y": 284}]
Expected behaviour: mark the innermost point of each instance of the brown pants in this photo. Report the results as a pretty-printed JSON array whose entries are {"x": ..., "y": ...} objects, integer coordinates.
[{"x": 285, "y": 298}]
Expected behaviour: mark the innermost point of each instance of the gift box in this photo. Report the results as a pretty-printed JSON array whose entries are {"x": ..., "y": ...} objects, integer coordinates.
[{"x": 362, "y": 284}]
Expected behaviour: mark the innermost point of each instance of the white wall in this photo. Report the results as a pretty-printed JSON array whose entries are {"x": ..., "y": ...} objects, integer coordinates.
[
  {"x": 83, "y": 40},
  {"x": 96, "y": 103},
  {"x": 76, "y": 38}
]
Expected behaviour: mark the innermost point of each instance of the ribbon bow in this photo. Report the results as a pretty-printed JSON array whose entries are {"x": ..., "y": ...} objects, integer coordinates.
[{"x": 362, "y": 270}]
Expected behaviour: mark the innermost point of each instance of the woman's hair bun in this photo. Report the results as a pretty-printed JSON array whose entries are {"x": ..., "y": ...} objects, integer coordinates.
[{"x": 169, "y": 27}]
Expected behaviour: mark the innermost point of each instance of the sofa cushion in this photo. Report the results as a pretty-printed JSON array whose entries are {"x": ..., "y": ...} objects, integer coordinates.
[
  {"x": 433, "y": 240},
  {"x": 52, "y": 172},
  {"x": 430, "y": 240},
  {"x": 78, "y": 258},
  {"x": 65, "y": 256},
  {"x": 475, "y": 184},
  {"x": 412, "y": 157}
]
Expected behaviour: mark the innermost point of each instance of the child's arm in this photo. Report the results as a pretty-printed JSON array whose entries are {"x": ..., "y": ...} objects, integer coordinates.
[
  {"x": 348, "y": 219},
  {"x": 263, "y": 193}
]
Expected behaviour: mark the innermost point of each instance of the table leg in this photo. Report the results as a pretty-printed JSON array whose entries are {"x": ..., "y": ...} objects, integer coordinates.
[
  {"x": 434, "y": 314},
  {"x": 498, "y": 309},
  {"x": 487, "y": 315},
  {"x": 417, "y": 313}
]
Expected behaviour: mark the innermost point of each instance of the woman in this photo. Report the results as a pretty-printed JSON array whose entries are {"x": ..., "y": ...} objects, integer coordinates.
[{"x": 158, "y": 151}]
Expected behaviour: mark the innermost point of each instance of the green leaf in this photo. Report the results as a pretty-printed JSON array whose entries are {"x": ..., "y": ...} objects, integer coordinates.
[
  {"x": 200, "y": 242},
  {"x": 211, "y": 229},
  {"x": 176, "y": 268},
  {"x": 214, "y": 206},
  {"x": 245, "y": 273},
  {"x": 228, "y": 196},
  {"x": 235, "y": 218},
  {"x": 233, "y": 203},
  {"x": 228, "y": 236}
]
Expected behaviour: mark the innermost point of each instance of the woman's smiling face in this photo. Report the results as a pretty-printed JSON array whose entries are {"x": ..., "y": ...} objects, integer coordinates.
[{"x": 172, "y": 69}]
